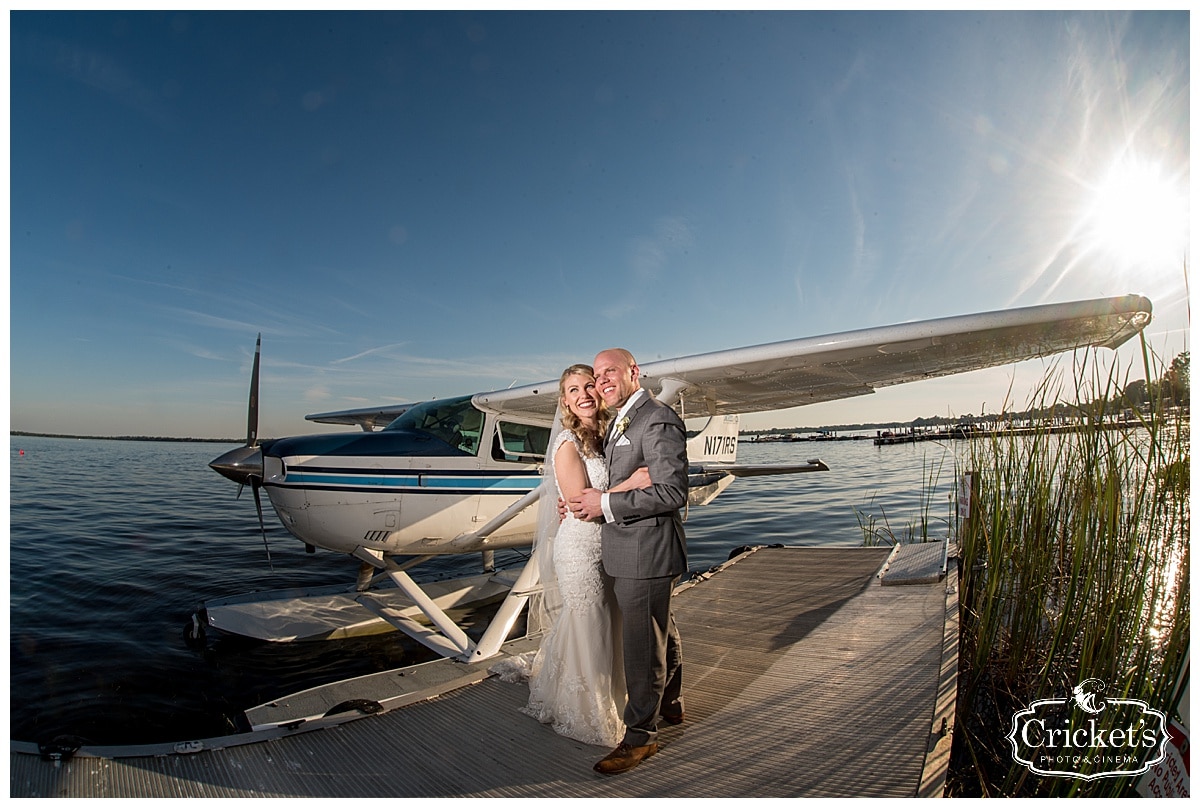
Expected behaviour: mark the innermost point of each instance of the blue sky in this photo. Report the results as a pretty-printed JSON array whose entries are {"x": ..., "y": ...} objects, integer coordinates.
[{"x": 414, "y": 205}]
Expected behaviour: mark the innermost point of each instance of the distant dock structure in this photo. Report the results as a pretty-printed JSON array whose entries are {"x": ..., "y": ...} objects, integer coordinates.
[
  {"x": 971, "y": 431},
  {"x": 802, "y": 437},
  {"x": 961, "y": 431}
]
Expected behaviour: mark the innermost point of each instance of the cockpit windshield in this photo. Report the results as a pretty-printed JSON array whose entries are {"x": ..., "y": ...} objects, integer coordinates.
[{"x": 453, "y": 420}]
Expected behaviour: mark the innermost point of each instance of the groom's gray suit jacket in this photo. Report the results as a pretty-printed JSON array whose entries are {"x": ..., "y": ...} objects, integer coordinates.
[{"x": 647, "y": 540}]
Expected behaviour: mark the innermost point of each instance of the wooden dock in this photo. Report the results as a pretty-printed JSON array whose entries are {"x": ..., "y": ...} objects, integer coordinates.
[{"x": 806, "y": 674}]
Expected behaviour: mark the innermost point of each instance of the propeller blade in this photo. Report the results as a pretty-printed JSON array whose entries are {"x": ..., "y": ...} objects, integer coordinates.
[
  {"x": 252, "y": 415},
  {"x": 245, "y": 463},
  {"x": 261, "y": 524}
]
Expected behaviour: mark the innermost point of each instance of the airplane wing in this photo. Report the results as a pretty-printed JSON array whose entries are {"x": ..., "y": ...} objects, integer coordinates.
[
  {"x": 792, "y": 373},
  {"x": 368, "y": 418}
]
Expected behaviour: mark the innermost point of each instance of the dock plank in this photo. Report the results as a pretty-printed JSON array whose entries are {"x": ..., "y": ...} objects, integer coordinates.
[{"x": 804, "y": 676}]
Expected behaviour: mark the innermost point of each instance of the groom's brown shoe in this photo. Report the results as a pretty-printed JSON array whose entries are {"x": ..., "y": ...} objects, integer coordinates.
[
  {"x": 674, "y": 719},
  {"x": 624, "y": 758}
]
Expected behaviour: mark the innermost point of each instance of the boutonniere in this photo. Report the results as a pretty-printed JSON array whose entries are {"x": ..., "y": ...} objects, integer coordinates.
[{"x": 621, "y": 426}]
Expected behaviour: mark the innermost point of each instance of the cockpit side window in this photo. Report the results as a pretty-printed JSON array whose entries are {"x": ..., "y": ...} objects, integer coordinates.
[
  {"x": 520, "y": 443},
  {"x": 454, "y": 421}
]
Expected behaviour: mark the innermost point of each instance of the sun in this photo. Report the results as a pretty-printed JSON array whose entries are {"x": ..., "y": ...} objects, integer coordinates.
[{"x": 1138, "y": 216}]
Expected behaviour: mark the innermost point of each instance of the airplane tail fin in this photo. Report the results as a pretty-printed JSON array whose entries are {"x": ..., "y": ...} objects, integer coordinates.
[
  {"x": 717, "y": 442},
  {"x": 712, "y": 461}
]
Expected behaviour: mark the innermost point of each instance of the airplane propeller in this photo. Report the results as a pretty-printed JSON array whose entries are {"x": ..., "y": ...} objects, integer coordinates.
[{"x": 245, "y": 463}]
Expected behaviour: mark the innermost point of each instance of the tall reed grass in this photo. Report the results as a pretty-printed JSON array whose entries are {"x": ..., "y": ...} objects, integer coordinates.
[{"x": 1074, "y": 564}]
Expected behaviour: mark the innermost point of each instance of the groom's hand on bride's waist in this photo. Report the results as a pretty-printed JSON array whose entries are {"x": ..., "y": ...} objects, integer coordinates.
[{"x": 586, "y": 506}]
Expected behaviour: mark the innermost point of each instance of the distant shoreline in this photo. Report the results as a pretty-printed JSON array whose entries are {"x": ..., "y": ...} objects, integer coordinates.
[{"x": 18, "y": 434}]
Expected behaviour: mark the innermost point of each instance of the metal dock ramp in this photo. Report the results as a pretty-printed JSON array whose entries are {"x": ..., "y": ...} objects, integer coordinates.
[{"x": 804, "y": 676}]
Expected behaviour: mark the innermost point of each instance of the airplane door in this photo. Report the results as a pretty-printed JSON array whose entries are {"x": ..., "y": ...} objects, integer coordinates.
[{"x": 518, "y": 452}]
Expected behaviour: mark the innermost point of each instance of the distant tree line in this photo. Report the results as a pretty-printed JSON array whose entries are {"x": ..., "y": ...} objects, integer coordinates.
[
  {"x": 19, "y": 434},
  {"x": 1174, "y": 389}
]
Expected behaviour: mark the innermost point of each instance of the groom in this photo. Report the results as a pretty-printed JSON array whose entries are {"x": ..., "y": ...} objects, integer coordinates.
[{"x": 643, "y": 549}]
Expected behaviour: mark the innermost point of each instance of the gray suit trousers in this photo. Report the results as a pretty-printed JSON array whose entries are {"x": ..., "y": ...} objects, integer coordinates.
[{"x": 650, "y": 643}]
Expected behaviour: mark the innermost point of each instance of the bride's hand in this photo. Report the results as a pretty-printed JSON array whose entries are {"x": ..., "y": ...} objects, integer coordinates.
[{"x": 639, "y": 479}]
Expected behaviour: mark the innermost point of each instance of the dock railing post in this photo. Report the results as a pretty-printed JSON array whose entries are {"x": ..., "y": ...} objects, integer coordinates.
[{"x": 967, "y": 494}]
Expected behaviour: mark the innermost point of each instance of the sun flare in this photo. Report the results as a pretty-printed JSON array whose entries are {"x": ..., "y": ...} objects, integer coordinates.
[{"x": 1138, "y": 216}]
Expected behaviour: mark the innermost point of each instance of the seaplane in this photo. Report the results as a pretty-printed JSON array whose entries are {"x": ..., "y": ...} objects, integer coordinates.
[{"x": 464, "y": 475}]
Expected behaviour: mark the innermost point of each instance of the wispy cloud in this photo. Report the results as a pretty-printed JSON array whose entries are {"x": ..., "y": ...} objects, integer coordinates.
[
  {"x": 368, "y": 352},
  {"x": 649, "y": 256},
  {"x": 199, "y": 352},
  {"x": 212, "y": 321},
  {"x": 97, "y": 70},
  {"x": 318, "y": 393},
  {"x": 617, "y": 309},
  {"x": 671, "y": 236},
  {"x": 381, "y": 378}
]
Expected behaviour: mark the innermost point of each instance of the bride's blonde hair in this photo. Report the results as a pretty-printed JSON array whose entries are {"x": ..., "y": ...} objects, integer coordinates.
[{"x": 592, "y": 440}]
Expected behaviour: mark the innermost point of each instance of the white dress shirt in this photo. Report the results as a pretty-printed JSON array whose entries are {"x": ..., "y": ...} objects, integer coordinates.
[{"x": 621, "y": 413}]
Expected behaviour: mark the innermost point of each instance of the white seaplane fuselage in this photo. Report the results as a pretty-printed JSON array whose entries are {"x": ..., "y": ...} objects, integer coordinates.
[
  {"x": 438, "y": 472},
  {"x": 433, "y": 478}
]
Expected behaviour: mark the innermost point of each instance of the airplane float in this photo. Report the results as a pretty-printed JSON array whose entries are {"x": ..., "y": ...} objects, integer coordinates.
[{"x": 462, "y": 475}]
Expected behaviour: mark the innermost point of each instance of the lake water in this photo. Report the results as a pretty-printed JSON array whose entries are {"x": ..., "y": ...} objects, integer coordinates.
[{"x": 114, "y": 543}]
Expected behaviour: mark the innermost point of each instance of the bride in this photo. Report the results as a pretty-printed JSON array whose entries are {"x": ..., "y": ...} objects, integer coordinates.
[{"x": 576, "y": 679}]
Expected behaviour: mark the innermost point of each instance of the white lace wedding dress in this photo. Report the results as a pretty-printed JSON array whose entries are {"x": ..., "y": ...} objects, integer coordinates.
[{"x": 576, "y": 678}]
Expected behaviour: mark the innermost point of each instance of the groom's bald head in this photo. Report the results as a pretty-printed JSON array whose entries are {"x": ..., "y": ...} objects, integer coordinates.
[{"x": 616, "y": 376}]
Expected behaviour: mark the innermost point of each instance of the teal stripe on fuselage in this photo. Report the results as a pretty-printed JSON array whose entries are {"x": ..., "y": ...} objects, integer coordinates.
[{"x": 507, "y": 483}]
